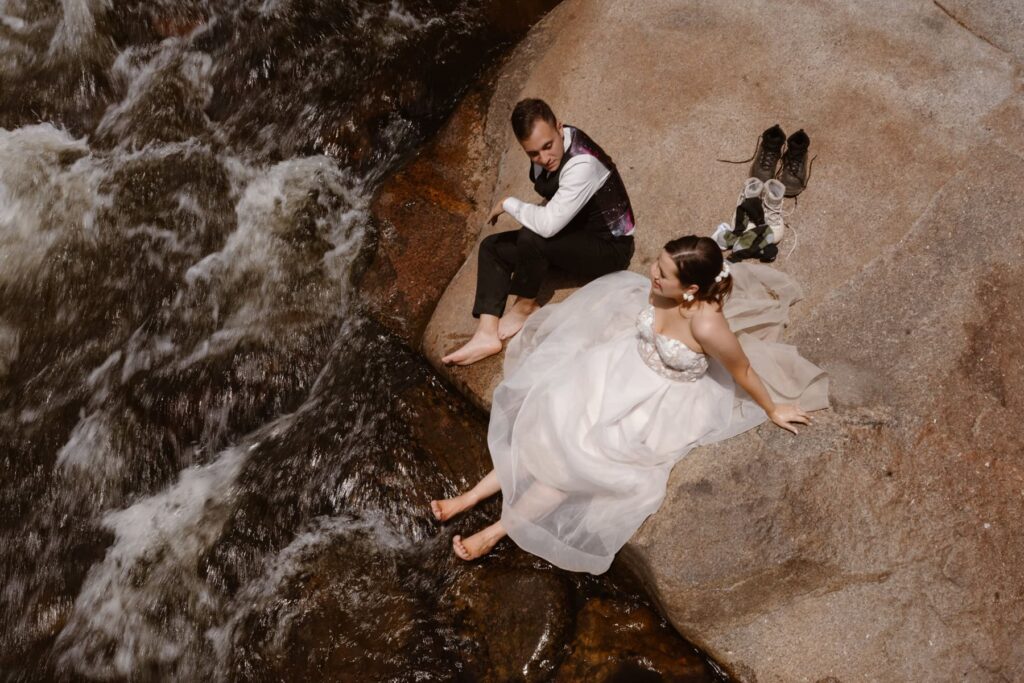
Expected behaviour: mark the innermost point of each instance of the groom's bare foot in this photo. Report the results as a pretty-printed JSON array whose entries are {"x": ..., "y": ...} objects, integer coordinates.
[
  {"x": 480, "y": 543},
  {"x": 479, "y": 346},
  {"x": 515, "y": 318},
  {"x": 449, "y": 507}
]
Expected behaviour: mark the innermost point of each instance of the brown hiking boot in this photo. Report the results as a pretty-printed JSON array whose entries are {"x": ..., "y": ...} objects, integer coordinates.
[
  {"x": 794, "y": 163},
  {"x": 769, "y": 150}
]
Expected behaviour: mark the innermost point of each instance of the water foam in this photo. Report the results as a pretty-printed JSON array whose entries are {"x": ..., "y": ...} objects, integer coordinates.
[
  {"x": 137, "y": 607},
  {"x": 76, "y": 34},
  {"x": 49, "y": 190},
  {"x": 263, "y": 593},
  {"x": 141, "y": 71},
  {"x": 256, "y": 262}
]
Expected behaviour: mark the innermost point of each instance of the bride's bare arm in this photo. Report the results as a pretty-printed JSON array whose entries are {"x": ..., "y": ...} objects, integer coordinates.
[{"x": 719, "y": 342}]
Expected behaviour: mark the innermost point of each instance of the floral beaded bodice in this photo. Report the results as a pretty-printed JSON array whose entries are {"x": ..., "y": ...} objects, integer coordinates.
[{"x": 668, "y": 357}]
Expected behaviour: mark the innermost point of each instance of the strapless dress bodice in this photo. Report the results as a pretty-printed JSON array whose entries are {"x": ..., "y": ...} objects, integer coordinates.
[{"x": 668, "y": 357}]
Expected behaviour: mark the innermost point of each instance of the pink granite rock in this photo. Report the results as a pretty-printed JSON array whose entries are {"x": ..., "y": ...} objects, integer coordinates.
[{"x": 883, "y": 543}]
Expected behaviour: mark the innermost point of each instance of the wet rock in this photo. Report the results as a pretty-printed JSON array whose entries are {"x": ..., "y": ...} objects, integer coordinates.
[
  {"x": 619, "y": 641},
  {"x": 512, "y": 621},
  {"x": 381, "y": 434},
  {"x": 350, "y": 613},
  {"x": 72, "y": 93},
  {"x": 451, "y": 431},
  {"x": 420, "y": 215}
]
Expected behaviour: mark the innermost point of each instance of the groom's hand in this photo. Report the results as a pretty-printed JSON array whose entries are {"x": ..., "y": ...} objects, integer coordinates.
[{"x": 495, "y": 212}]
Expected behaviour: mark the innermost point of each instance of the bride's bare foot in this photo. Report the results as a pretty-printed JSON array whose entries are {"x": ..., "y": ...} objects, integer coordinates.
[
  {"x": 449, "y": 507},
  {"x": 480, "y": 543},
  {"x": 481, "y": 345},
  {"x": 515, "y": 318}
]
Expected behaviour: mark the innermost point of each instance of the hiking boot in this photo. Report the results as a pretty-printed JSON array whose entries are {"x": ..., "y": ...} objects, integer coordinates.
[
  {"x": 768, "y": 153},
  {"x": 794, "y": 163}
]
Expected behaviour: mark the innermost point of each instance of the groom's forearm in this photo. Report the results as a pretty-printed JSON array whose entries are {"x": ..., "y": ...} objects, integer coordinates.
[
  {"x": 544, "y": 220},
  {"x": 578, "y": 184}
]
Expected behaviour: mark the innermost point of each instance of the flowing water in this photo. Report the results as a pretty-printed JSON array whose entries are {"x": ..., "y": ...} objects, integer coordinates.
[{"x": 212, "y": 465}]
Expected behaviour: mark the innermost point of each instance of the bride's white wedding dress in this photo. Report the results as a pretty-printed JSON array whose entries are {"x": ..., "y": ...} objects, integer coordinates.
[{"x": 595, "y": 409}]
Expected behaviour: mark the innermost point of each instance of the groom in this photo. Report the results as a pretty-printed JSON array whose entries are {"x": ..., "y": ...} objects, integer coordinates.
[{"x": 585, "y": 227}]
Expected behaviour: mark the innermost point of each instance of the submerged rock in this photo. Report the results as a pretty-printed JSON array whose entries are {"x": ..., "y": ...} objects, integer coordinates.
[
  {"x": 619, "y": 641},
  {"x": 346, "y": 613},
  {"x": 513, "y": 621}
]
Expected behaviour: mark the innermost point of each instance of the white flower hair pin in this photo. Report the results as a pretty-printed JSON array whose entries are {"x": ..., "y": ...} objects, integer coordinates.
[{"x": 724, "y": 274}]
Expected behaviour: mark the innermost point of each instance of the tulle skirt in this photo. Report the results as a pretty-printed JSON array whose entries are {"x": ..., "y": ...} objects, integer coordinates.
[{"x": 583, "y": 434}]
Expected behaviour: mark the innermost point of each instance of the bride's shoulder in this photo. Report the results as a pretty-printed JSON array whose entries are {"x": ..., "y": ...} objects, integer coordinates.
[{"x": 708, "y": 320}]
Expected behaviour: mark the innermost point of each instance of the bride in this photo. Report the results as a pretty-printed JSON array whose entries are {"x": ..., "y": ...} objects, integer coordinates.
[{"x": 606, "y": 391}]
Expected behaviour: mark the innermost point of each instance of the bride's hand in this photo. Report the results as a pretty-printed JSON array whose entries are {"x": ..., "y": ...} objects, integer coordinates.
[{"x": 786, "y": 416}]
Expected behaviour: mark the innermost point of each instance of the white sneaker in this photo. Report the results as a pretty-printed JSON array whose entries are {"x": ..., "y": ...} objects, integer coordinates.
[
  {"x": 771, "y": 200},
  {"x": 752, "y": 187}
]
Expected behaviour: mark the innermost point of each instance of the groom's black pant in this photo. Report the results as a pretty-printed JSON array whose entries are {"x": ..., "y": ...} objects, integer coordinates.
[{"x": 516, "y": 262}]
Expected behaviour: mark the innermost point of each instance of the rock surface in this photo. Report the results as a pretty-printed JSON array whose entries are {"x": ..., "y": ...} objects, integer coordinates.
[
  {"x": 418, "y": 215},
  {"x": 514, "y": 618},
  {"x": 890, "y": 531},
  {"x": 513, "y": 622},
  {"x": 616, "y": 641},
  {"x": 880, "y": 544},
  {"x": 427, "y": 214}
]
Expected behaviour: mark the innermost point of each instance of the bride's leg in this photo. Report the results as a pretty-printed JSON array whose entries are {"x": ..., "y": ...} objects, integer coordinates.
[
  {"x": 536, "y": 502},
  {"x": 449, "y": 507},
  {"x": 480, "y": 543}
]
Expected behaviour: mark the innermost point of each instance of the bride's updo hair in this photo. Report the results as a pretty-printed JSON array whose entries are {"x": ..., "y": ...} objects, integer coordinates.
[{"x": 700, "y": 261}]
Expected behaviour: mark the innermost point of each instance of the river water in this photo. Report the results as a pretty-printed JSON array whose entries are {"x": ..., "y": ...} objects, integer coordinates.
[{"x": 213, "y": 466}]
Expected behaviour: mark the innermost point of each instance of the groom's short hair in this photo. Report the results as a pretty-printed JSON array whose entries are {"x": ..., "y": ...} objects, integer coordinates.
[{"x": 527, "y": 112}]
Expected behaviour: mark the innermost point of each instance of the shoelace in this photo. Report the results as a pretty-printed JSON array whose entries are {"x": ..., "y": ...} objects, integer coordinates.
[
  {"x": 795, "y": 162},
  {"x": 796, "y": 238},
  {"x": 783, "y": 215},
  {"x": 774, "y": 212},
  {"x": 768, "y": 158},
  {"x": 789, "y": 226},
  {"x": 744, "y": 161}
]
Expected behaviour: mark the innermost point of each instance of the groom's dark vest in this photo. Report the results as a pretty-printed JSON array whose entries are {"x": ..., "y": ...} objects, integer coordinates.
[{"x": 609, "y": 210}]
